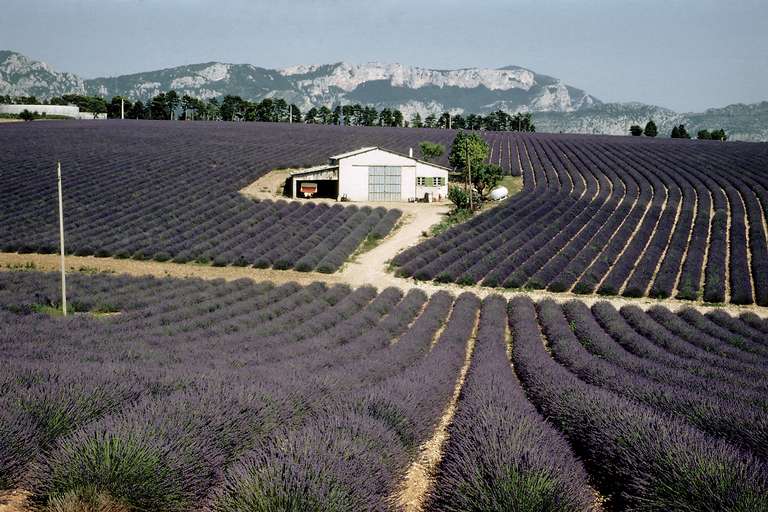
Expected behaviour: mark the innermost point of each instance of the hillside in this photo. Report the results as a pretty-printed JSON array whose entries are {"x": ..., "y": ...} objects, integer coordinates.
[
  {"x": 740, "y": 121},
  {"x": 559, "y": 107}
]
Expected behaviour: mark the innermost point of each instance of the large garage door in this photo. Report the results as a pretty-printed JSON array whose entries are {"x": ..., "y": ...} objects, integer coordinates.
[{"x": 384, "y": 183}]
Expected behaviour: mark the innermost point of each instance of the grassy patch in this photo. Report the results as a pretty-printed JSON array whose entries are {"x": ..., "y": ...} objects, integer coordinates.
[
  {"x": 369, "y": 243},
  {"x": 27, "y": 266},
  {"x": 453, "y": 218},
  {"x": 514, "y": 184}
]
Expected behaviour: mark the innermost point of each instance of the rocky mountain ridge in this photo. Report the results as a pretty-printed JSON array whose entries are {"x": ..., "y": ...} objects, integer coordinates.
[{"x": 558, "y": 107}]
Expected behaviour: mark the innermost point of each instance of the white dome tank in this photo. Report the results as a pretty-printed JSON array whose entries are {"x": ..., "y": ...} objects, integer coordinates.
[{"x": 499, "y": 193}]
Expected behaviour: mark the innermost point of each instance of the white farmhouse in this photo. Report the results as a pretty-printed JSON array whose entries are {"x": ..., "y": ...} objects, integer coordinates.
[{"x": 372, "y": 174}]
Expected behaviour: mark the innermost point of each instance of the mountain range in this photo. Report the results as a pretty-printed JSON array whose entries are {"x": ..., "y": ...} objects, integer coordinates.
[{"x": 558, "y": 107}]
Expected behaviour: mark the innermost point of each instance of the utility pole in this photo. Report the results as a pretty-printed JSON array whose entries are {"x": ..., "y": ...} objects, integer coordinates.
[
  {"x": 469, "y": 174},
  {"x": 61, "y": 243}
]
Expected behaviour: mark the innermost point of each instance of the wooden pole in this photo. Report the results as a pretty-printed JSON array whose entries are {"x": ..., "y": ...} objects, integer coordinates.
[
  {"x": 469, "y": 175},
  {"x": 61, "y": 243}
]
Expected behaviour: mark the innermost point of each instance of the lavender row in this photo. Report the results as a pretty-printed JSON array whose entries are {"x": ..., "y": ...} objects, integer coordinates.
[
  {"x": 617, "y": 216},
  {"x": 640, "y": 458},
  {"x": 501, "y": 454}
]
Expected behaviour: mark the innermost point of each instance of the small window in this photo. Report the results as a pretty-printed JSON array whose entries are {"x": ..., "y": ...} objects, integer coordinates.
[{"x": 429, "y": 181}]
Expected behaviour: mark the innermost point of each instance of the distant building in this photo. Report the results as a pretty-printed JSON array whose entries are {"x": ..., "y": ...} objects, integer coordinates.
[
  {"x": 372, "y": 174},
  {"x": 51, "y": 110}
]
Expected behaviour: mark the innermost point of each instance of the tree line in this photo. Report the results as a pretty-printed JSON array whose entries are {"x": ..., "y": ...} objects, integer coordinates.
[
  {"x": 678, "y": 132},
  {"x": 170, "y": 106}
]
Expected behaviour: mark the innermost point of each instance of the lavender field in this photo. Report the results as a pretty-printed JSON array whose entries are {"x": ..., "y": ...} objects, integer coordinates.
[
  {"x": 616, "y": 215},
  {"x": 169, "y": 191},
  {"x": 184, "y": 394}
]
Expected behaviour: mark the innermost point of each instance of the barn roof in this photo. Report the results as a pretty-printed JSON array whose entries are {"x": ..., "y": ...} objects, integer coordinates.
[
  {"x": 315, "y": 169},
  {"x": 371, "y": 148},
  {"x": 355, "y": 152}
]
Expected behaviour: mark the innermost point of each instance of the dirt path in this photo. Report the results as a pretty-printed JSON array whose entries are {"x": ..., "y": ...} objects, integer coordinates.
[
  {"x": 14, "y": 501},
  {"x": 371, "y": 267},
  {"x": 419, "y": 477},
  {"x": 379, "y": 278}
]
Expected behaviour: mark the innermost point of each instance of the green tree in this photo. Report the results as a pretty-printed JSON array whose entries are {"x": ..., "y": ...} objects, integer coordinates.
[
  {"x": 703, "y": 135},
  {"x": 485, "y": 177},
  {"x": 26, "y": 115},
  {"x": 295, "y": 113},
  {"x": 325, "y": 115},
  {"x": 650, "y": 129},
  {"x": 416, "y": 121},
  {"x": 431, "y": 150},
  {"x": 311, "y": 116},
  {"x": 232, "y": 108},
  {"x": 444, "y": 120},
  {"x": 385, "y": 117},
  {"x": 137, "y": 111},
  {"x": 397, "y": 118},
  {"x": 281, "y": 110},
  {"x": 369, "y": 116},
  {"x": 172, "y": 101},
  {"x": 636, "y": 130},
  {"x": 468, "y": 147},
  {"x": 718, "y": 135},
  {"x": 114, "y": 107},
  {"x": 458, "y": 197},
  {"x": 158, "y": 107},
  {"x": 212, "y": 109},
  {"x": 679, "y": 132},
  {"x": 521, "y": 122},
  {"x": 474, "y": 122},
  {"x": 430, "y": 121}
]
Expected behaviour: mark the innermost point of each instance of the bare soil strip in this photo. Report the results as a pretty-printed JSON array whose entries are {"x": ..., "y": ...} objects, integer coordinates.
[
  {"x": 703, "y": 278},
  {"x": 675, "y": 289},
  {"x": 678, "y": 212},
  {"x": 647, "y": 242},
  {"x": 420, "y": 476},
  {"x": 89, "y": 264},
  {"x": 748, "y": 242},
  {"x": 14, "y": 501},
  {"x": 631, "y": 237},
  {"x": 610, "y": 238}
]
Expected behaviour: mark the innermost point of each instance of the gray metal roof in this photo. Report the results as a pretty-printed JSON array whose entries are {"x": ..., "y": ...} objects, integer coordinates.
[{"x": 317, "y": 168}]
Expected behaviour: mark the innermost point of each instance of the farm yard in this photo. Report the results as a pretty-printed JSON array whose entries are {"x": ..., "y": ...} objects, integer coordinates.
[{"x": 596, "y": 342}]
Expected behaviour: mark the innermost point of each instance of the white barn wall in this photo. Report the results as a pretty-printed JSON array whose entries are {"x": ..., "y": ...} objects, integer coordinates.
[
  {"x": 353, "y": 175},
  {"x": 427, "y": 170}
]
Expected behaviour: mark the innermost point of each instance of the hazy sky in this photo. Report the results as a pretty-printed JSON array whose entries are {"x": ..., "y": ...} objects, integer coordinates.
[{"x": 685, "y": 55}]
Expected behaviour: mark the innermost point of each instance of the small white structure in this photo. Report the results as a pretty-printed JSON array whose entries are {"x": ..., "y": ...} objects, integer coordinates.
[
  {"x": 499, "y": 193},
  {"x": 372, "y": 174},
  {"x": 51, "y": 110}
]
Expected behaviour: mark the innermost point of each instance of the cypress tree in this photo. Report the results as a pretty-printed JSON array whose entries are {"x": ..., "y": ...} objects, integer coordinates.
[{"x": 650, "y": 129}]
